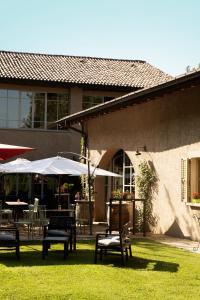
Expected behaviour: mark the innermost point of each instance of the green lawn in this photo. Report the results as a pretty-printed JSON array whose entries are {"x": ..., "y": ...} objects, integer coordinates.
[{"x": 156, "y": 271}]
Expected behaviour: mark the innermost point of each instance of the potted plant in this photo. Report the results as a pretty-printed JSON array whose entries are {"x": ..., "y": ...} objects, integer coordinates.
[
  {"x": 195, "y": 197},
  {"x": 117, "y": 194},
  {"x": 66, "y": 187},
  {"x": 128, "y": 195},
  {"x": 116, "y": 208}
]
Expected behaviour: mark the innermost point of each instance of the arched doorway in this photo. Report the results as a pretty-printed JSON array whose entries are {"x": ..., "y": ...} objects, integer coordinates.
[{"x": 118, "y": 162}]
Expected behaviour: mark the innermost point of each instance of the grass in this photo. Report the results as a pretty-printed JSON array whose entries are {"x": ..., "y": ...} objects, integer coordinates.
[{"x": 156, "y": 271}]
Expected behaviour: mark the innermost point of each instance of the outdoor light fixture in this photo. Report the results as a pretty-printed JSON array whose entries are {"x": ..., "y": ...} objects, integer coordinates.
[{"x": 143, "y": 148}]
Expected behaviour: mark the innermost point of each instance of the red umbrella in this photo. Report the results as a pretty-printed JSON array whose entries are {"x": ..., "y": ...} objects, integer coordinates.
[{"x": 7, "y": 151}]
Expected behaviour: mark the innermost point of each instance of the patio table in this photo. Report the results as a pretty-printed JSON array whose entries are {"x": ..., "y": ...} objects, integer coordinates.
[
  {"x": 60, "y": 212},
  {"x": 17, "y": 206}
]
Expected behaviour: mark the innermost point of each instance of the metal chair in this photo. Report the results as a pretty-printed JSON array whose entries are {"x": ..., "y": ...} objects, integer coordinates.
[
  {"x": 32, "y": 210},
  {"x": 6, "y": 214},
  {"x": 9, "y": 240},
  {"x": 40, "y": 219},
  {"x": 29, "y": 219},
  {"x": 62, "y": 226}
]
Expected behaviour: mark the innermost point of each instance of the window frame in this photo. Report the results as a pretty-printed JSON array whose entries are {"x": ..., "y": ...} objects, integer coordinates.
[{"x": 19, "y": 113}]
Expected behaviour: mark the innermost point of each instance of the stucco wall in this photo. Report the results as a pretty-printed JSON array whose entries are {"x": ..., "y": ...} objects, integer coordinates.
[
  {"x": 170, "y": 129},
  {"x": 46, "y": 143}
]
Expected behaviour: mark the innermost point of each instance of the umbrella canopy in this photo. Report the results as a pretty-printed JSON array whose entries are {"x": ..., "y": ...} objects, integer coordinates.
[
  {"x": 11, "y": 166},
  {"x": 7, "y": 151},
  {"x": 59, "y": 165}
]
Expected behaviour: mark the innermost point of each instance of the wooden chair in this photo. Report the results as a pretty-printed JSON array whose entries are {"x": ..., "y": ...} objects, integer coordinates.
[
  {"x": 114, "y": 243},
  {"x": 9, "y": 239}
]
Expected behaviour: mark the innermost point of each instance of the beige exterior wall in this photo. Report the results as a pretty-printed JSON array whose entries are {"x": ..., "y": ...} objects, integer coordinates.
[
  {"x": 48, "y": 143},
  {"x": 170, "y": 129}
]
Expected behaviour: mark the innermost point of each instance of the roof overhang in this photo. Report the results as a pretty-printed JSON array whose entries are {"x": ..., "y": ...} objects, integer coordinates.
[{"x": 134, "y": 98}]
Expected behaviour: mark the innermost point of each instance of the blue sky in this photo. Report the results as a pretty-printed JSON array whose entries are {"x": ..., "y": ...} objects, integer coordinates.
[{"x": 166, "y": 33}]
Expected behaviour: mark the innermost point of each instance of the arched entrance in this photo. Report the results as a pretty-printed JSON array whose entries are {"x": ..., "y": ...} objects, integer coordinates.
[{"x": 118, "y": 162}]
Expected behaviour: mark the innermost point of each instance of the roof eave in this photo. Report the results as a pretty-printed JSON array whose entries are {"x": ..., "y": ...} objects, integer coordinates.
[{"x": 59, "y": 84}]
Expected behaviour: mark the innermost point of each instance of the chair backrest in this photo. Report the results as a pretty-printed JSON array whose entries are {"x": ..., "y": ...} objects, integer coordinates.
[
  {"x": 42, "y": 212},
  {"x": 61, "y": 222},
  {"x": 0, "y": 211},
  {"x": 125, "y": 231},
  {"x": 35, "y": 205}
]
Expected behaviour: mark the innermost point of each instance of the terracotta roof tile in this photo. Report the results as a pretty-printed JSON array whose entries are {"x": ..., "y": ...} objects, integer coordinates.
[{"x": 80, "y": 70}]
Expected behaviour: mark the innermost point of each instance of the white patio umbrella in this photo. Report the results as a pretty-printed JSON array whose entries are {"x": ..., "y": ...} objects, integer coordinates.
[
  {"x": 59, "y": 165},
  {"x": 11, "y": 166}
]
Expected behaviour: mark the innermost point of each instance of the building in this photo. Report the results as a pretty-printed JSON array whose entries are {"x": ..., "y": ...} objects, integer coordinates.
[
  {"x": 38, "y": 89},
  {"x": 162, "y": 122}
]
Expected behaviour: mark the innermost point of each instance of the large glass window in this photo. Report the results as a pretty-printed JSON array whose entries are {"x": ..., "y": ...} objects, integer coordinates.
[
  {"x": 123, "y": 166},
  {"x": 57, "y": 106},
  {"x": 39, "y": 110},
  {"x": 24, "y": 109},
  {"x": 89, "y": 101}
]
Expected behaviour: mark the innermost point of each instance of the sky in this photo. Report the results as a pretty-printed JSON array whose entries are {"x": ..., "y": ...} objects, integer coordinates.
[{"x": 165, "y": 33}]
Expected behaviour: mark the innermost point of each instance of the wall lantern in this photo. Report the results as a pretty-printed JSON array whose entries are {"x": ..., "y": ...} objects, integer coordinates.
[{"x": 143, "y": 148}]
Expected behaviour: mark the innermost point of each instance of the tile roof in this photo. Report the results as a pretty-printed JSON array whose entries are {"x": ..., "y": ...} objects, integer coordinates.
[
  {"x": 79, "y": 70},
  {"x": 182, "y": 82}
]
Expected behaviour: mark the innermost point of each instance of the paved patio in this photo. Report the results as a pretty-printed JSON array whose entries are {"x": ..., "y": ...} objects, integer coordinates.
[{"x": 185, "y": 244}]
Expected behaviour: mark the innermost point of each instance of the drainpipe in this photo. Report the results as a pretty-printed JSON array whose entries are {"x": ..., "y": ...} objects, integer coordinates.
[{"x": 86, "y": 154}]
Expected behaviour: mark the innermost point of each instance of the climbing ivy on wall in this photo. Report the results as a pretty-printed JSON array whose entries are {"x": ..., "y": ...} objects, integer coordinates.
[{"x": 146, "y": 183}]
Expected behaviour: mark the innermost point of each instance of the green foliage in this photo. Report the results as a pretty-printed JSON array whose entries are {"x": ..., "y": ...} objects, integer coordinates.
[
  {"x": 146, "y": 184},
  {"x": 145, "y": 180},
  {"x": 84, "y": 178},
  {"x": 118, "y": 194},
  {"x": 195, "y": 200}
]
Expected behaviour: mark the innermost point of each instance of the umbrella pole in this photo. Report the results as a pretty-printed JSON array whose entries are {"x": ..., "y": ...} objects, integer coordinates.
[
  {"x": 59, "y": 190},
  {"x": 89, "y": 196}
]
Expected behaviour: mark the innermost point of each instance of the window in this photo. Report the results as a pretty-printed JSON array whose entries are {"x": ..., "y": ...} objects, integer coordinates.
[
  {"x": 24, "y": 109},
  {"x": 190, "y": 178},
  {"x": 123, "y": 166},
  {"x": 90, "y": 101}
]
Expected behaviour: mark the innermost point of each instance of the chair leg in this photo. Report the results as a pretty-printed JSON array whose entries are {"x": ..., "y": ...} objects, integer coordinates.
[
  {"x": 95, "y": 256},
  {"x": 66, "y": 249},
  {"x": 70, "y": 243},
  {"x": 101, "y": 254},
  {"x": 75, "y": 240},
  {"x": 17, "y": 252},
  {"x": 122, "y": 257},
  {"x": 44, "y": 249},
  {"x": 130, "y": 251},
  {"x": 126, "y": 251}
]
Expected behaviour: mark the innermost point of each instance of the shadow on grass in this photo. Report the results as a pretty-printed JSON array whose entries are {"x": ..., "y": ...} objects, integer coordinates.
[{"x": 31, "y": 255}]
